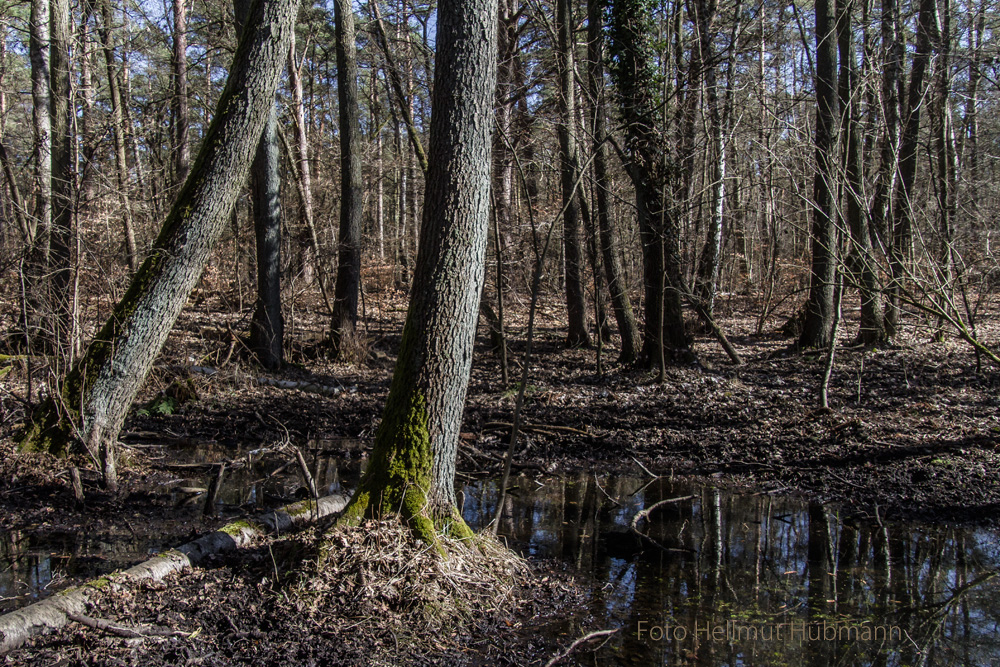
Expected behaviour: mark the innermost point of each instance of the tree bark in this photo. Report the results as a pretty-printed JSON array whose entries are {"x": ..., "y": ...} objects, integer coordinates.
[
  {"x": 576, "y": 303},
  {"x": 348, "y": 285},
  {"x": 118, "y": 133},
  {"x": 631, "y": 55},
  {"x": 861, "y": 260},
  {"x": 63, "y": 178},
  {"x": 902, "y": 219},
  {"x": 412, "y": 470},
  {"x": 267, "y": 326},
  {"x": 96, "y": 394},
  {"x": 819, "y": 306}
]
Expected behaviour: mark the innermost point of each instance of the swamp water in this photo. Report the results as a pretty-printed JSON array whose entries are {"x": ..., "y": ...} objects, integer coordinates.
[
  {"x": 724, "y": 578},
  {"x": 738, "y": 579}
]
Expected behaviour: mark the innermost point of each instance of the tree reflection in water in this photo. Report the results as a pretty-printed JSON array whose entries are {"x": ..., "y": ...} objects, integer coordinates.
[{"x": 755, "y": 579}]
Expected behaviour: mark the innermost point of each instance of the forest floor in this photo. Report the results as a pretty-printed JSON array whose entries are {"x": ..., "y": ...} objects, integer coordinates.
[{"x": 911, "y": 435}]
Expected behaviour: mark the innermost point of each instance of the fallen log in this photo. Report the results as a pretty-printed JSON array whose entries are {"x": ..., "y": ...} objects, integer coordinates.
[{"x": 54, "y": 612}]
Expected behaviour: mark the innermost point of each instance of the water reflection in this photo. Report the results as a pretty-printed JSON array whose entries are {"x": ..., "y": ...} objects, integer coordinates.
[
  {"x": 36, "y": 563},
  {"x": 755, "y": 580}
]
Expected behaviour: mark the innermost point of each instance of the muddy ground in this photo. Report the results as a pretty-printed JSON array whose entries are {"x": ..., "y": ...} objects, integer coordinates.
[{"x": 911, "y": 435}]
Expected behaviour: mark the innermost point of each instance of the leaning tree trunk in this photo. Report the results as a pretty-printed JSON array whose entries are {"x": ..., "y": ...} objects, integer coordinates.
[
  {"x": 267, "y": 326},
  {"x": 818, "y": 322},
  {"x": 96, "y": 394},
  {"x": 412, "y": 469},
  {"x": 348, "y": 285}
]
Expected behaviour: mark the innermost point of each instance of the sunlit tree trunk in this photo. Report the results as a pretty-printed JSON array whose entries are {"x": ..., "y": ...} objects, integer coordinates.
[
  {"x": 63, "y": 177},
  {"x": 412, "y": 468},
  {"x": 96, "y": 394}
]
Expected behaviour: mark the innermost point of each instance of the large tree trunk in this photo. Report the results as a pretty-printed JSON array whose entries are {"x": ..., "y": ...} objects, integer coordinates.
[
  {"x": 348, "y": 285},
  {"x": 620, "y": 302},
  {"x": 576, "y": 303},
  {"x": 412, "y": 469},
  {"x": 818, "y": 322},
  {"x": 98, "y": 391}
]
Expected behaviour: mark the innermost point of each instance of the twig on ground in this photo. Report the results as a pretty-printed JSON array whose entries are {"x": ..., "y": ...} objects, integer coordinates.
[{"x": 126, "y": 631}]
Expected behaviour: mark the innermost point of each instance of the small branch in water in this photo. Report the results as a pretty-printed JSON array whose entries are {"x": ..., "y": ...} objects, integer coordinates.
[
  {"x": 582, "y": 640},
  {"x": 644, "y": 514},
  {"x": 645, "y": 468}
]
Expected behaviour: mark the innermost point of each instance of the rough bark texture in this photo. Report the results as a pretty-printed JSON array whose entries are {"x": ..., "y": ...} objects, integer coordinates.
[
  {"x": 819, "y": 307},
  {"x": 348, "y": 285},
  {"x": 576, "y": 303},
  {"x": 412, "y": 469},
  {"x": 97, "y": 393}
]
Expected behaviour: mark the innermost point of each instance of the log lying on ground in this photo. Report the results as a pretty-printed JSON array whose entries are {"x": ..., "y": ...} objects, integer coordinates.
[{"x": 54, "y": 612}]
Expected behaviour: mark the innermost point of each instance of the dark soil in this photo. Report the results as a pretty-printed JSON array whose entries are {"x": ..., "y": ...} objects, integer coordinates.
[{"x": 911, "y": 435}]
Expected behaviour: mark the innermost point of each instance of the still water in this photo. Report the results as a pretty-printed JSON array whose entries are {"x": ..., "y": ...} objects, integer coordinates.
[
  {"x": 739, "y": 579},
  {"x": 721, "y": 578}
]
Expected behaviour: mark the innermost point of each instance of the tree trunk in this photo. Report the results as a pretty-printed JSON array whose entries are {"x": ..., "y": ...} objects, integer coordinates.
[
  {"x": 861, "y": 260},
  {"x": 98, "y": 391},
  {"x": 576, "y": 303},
  {"x": 35, "y": 304},
  {"x": 63, "y": 177},
  {"x": 181, "y": 145},
  {"x": 412, "y": 469},
  {"x": 620, "y": 302},
  {"x": 118, "y": 132},
  {"x": 631, "y": 34},
  {"x": 819, "y": 307},
  {"x": 267, "y": 326},
  {"x": 902, "y": 220},
  {"x": 708, "y": 265},
  {"x": 348, "y": 285}
]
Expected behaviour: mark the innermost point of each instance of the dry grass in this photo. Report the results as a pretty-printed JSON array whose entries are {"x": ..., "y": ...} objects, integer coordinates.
[{"x": 380, "y": 570}]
